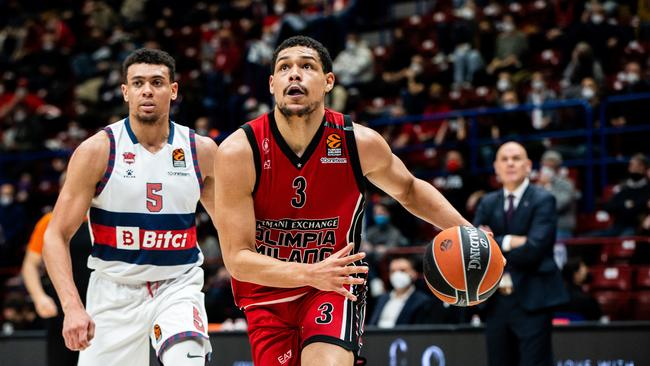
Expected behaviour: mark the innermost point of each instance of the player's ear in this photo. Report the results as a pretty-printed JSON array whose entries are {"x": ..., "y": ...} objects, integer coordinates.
[
  {"x": 271, "y": 84},
  {"x": 125, "y": 93},
  {"x": 174, "y": 87},
  {"x": 329, "y": 82}
]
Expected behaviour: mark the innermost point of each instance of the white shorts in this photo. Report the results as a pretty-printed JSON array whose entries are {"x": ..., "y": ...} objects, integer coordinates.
[{"x": 127, "y": 317}]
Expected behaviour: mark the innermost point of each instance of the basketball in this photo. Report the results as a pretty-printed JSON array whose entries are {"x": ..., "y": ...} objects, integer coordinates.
[{"x": 463, "y": 265}]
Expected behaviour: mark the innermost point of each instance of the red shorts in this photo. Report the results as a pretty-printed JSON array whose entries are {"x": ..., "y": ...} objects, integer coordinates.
[{"x": 278, "y": 332}]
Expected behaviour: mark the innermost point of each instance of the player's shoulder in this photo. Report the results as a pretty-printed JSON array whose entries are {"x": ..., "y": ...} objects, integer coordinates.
[
  {"x": 205, "y": 144},
  {"x": 235, "y": 146},
  {"x": 97, "y": 144}
]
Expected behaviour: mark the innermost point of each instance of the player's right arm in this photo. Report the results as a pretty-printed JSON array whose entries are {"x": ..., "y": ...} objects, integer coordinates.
[
  {"x": 86, "y": 168},
  {"x": 235, "y": 222}
]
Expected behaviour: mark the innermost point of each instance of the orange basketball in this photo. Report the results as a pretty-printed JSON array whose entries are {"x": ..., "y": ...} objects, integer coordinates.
[{"x": 463, "y": 265}]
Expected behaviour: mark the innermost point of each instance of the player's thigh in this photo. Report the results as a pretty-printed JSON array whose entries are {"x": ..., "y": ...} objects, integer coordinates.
[
  {"x": 120, "y": 325},
  {"x": 330, "y": 318},
  {"x": 274, "y": 346},
  {"x": 180, "y": 314},
  {"x": 326, "y": 354}
]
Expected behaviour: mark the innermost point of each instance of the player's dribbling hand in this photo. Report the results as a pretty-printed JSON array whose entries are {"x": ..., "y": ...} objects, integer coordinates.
[
  {"x": 78, "y": 329},
  {"x": 336, "y": 271}
]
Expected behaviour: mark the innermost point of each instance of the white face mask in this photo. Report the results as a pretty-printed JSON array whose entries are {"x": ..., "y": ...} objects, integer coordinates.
[
  {"x": 597, "y": 18},
  {"x": 632, "y": 77},
  {"x": 6, "y": 200},
  {"x": 507, "y": 27},
  {"x": 400, "y": 280},
  {"x": 588, "y": 93},
  {"x": 546, "y": 171},
  {"x": 503, "y": 84},
  {"x": 537, "y": 84}
]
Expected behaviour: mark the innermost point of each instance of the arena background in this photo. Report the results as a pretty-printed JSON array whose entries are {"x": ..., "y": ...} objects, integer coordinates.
[{"x": 445, "y": 82}]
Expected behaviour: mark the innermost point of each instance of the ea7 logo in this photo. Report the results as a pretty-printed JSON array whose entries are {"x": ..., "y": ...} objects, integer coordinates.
[{"x": 284, "y": 358}]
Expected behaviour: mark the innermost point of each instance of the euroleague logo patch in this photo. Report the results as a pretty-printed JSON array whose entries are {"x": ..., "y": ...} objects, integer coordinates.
[
  {"x": 333, "y": 143},
  {"x": 178, "y": 158},
  {"x": 157, "y": 332}
]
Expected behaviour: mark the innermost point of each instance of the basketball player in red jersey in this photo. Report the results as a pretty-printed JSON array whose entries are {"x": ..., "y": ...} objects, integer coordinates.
[{"x": 289, "y": 187}]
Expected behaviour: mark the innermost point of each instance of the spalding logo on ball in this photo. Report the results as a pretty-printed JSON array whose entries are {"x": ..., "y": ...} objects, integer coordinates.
[{"x": 463, "y": 265}]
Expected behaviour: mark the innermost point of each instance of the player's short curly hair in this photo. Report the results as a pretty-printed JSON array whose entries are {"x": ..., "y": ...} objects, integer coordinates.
[
  {"x": 152, "y": 57},
  {"x": 304, "y": 41}
]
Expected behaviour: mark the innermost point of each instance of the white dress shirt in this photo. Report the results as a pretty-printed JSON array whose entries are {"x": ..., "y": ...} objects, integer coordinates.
[{"x": 393, "y": 308}]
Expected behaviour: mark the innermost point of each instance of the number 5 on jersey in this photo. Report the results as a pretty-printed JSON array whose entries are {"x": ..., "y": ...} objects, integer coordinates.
[
  {"x": 299, "y": 184},
  {"x": 154, "y": 197}
]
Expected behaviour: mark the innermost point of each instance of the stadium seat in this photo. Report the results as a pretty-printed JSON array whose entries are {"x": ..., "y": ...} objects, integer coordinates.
[
  {"x": 611, "y": 278},
  {"x": 641, "y": 307},
  {"x": 620, "y": 252},
  {"x": 642, "y": 277},
  {"x": 614, "y": 304}
]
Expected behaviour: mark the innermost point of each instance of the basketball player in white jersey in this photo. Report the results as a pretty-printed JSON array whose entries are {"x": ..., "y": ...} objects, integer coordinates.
[{"x": 139, "y": 181}]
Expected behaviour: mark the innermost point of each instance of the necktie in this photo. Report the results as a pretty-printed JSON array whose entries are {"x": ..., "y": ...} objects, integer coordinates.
[{"x": 511, "y": 207}]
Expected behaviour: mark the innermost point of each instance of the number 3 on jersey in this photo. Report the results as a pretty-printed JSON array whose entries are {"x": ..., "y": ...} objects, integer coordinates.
[
  {"x": 299, "y": 184},
  {"x": 154, "y": 197}
]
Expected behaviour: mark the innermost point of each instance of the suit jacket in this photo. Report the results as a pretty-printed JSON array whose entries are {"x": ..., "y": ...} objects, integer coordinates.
[
  {"x": 416, "y": 310},
  {"x": 537, "y": 282}
]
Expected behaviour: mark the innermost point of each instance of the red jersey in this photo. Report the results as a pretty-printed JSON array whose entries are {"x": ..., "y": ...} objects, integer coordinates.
[{"x": 308, "y": 207}]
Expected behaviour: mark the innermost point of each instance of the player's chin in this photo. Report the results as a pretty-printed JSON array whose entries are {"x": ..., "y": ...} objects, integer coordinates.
[{"x": 148, "y": 117}]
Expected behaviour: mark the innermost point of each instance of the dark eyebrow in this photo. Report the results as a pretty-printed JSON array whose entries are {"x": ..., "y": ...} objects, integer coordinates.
[{"x": 304, "y": 57}]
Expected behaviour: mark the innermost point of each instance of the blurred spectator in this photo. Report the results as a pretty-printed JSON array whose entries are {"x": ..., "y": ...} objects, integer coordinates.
[
  {"x": 467, "y": 62},
  {"x": 458, "y": 185},
  {"x": 12, "y": 220},
  {"x": 539, "y": 94},
  {"x": 552, "y": 178},
  {"x": 219, "y": 303},
  {"x": 582, "y": 65},
  {"x": 581, "y": 305},
  {"x": 18, "y": 313},
  {"x": 404, "y": 304},
  {"x": 354, "y": 65},
  {"x": 630, "y": 201},
  {"x": 510, "y": 47},
  {"x": 383, "y": 234}
]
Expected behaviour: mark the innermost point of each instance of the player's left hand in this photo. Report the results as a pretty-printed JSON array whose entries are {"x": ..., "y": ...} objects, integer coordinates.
[{"x": 337, "y": 271}]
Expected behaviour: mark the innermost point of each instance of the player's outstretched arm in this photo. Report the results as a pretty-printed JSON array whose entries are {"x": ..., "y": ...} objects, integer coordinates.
[
  {"x": 387, "y": 171},
  {"x": 85, "y": 169},
  {"x": 235, "y": 221}
]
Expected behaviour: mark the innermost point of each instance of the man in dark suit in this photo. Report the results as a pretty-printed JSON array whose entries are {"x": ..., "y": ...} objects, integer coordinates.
[
  {"x": 523, "y": 219},
  {"x": 404, "y": 304}
]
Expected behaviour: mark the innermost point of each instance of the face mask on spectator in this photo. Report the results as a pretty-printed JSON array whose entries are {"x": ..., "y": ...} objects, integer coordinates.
[
  {"x": 588, "y": 93},
  {"x": 278, "y": 8},
  {"x": 509, "y": 105},
  {"x": 453, "y": 165},
  {"x": 350, "y": 45},
  {"x": 632, "y": 77},
  {"x": 635, "y": 176},
  {"x": 507, "y": 27},
  {"x": 416, "y": 68},
  {"x": 381, "y": 220},
  {"x": 537, "y": 85},
  {"x": 503, "y": 84},
  {"x": 400, "y": 280},
  {"x": 597, "y": 18},
  {"x": 6, "y": 200},
  {"x": 547, "y": 172}
]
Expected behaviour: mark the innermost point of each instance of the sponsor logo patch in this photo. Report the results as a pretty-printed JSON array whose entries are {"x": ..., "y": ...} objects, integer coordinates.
[
  {"x": 284, "y": 358},
  {"x": 178, "y": 158},
  {"x": 325, "y": 160},
  {"x": 333, "y": 143},
  {"x": 127, "y": 237},
  {"x": 157, "y": 332}
]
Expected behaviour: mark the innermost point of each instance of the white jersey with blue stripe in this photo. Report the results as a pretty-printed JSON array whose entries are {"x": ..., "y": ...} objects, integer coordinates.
[{"x": 142, "y": 216}]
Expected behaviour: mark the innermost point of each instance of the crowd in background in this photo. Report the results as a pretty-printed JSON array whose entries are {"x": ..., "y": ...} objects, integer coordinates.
[{"x": 60, "y": 77}]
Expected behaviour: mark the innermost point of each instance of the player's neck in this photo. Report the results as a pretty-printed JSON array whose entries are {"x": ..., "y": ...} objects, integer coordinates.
[
  {"x": 298, "y": 132},
  {"x": 152, "y": 137}
]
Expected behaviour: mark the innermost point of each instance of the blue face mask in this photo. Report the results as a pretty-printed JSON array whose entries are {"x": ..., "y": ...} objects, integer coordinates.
[{"x": 381, "y": 220}]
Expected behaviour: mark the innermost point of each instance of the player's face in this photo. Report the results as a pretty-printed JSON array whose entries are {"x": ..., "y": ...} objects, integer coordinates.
[
  {"x": 298, "y": 82},
  {"x": 512, "y": 165},
  {"x": 148, "y": 91}
]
